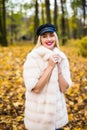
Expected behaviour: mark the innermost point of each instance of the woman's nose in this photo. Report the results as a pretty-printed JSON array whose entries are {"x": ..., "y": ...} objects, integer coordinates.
[{"x": 48, "y": 38}]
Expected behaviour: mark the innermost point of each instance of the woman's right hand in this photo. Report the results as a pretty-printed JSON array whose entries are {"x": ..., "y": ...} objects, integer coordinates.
[{"x": 53, "y": 60}]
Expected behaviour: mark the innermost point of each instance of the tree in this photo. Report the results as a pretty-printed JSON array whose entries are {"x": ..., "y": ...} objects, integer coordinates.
[
  {"x": 84, "y": 6},
  {"x": 1, "y": 28},
  {"x": 42, "y": 12},
  {"x": 3, "y": 38},
  {"x": 14, "y": 20},
  {"x": 48, "y": 16},
  {"x": 63, "y": 22},
  {"x": 76, "y": 6},
  {"x": 55, "y": 14},
  {"x": 36, "y": 20}
]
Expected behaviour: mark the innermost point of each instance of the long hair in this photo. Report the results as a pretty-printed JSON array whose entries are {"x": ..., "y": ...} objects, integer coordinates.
[{"x": 39, "y": 42}]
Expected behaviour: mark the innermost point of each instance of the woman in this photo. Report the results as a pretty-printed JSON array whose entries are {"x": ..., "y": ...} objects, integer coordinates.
[{"x": 47, "y": 77}]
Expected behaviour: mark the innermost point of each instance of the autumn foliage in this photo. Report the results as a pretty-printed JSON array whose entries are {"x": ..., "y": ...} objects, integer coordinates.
[{"x": 12, "y": 89}]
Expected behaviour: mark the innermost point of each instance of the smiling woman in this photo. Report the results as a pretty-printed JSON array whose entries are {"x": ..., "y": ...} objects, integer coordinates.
[
  {"x": 48, "y": 40},
  {"x": 46, "y": 76}
]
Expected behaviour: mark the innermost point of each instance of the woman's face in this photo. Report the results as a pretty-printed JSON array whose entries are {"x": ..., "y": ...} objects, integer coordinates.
[{"x": 48, "y": 40}]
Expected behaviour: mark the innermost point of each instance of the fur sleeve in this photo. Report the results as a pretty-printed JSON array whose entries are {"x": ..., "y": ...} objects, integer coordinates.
[
  {"x": 66, "y": 71},
  {"x": 31, "y": 73}
]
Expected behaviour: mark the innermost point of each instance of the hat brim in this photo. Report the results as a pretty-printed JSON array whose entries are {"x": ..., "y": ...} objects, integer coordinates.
[{"x": 46, "y": 29}]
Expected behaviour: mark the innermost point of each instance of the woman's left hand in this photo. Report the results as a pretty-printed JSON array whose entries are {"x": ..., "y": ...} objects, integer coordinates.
[{"x": 57, "y": 58}]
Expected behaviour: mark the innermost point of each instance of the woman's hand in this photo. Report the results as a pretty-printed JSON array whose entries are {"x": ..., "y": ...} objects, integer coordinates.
[
  {"x": 59, "y": 59},
  {"x": 54, "y": 59}
]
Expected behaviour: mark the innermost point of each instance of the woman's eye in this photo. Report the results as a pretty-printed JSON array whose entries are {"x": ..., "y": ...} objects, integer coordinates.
[
  {"x": 51, "y": 34},
  {"x": 44, "y": 36}
]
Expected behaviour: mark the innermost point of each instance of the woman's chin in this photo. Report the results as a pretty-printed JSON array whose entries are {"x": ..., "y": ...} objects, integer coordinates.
[{"x": 50, "y": 47}]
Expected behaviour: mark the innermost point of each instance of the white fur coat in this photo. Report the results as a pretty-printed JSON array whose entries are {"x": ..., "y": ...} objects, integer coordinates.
[{"x": 46, "y": 110}]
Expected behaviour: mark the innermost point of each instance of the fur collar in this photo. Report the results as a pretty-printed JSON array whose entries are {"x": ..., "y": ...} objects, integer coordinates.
[{"x": 46, "y": 53}]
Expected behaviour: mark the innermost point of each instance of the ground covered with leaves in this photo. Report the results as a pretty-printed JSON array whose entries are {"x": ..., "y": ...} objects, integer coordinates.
[{"x": 12, "y": 89}]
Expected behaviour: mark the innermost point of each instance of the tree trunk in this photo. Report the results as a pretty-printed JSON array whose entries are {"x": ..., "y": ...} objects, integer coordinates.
[
  {"x": 48, "y": 16},
  {"x": 1, "y": 28},
  {"x": 11, "y": 27},
  {"x": 63, "y": 23},
  {"x": 42, "y": 12},
  {"x": 1, "y": 32},
  {"x": 36, "y": 20},
  {"x": 55, "y": 14},
  {"x": 67, "y": 23},
  {"x": 84, "y": 17},
  {"x": 4, "y": 23}
]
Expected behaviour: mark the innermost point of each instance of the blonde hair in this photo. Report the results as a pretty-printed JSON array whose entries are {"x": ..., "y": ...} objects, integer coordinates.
[{"x": 39, "y": 42}]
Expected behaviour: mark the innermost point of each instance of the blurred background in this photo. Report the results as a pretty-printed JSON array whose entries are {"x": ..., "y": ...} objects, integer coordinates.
[{"x": 20, "y": 19}]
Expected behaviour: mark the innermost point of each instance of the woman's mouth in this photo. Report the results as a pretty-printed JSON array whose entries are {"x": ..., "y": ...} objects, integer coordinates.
[{"x": 49, "y": 43}]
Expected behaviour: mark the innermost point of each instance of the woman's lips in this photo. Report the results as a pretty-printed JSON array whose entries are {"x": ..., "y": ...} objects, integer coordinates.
[{"x": 49, "y": 43}]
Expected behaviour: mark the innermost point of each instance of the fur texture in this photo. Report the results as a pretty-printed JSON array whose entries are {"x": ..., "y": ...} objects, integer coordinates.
[{"x": 47, "y": 110}]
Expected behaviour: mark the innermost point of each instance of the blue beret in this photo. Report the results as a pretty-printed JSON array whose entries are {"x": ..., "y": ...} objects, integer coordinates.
[{"x": 45, "y": 28}]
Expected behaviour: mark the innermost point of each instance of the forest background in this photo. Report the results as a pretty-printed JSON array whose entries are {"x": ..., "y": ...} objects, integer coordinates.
[{"x": 18, "y": 23}]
